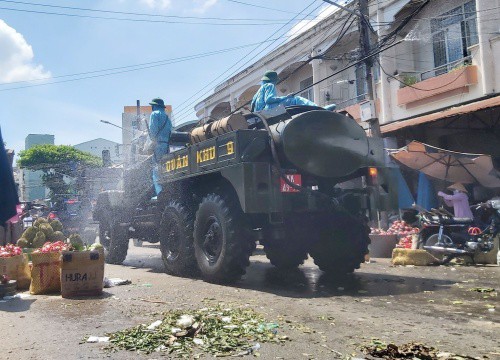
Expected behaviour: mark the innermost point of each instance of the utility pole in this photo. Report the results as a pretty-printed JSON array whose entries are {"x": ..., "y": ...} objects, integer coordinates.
[
  {"x": 371, "y": 113},
  {"x": 363, "y": 15},
  {"x": 365, "y": 46},
  {"x": 368, "y": 110}
]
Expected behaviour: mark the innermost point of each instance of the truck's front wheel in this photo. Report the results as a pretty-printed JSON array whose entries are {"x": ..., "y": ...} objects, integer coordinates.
[
  {"x": 118, "y": 243},
  {"x": 176, "y": 240},
  {"x": 104, "y": 234},
  {"x": 221, "y": 239}
]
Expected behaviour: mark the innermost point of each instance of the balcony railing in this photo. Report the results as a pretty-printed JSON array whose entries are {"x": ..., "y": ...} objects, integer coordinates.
[
  {"x": 409, "y": 78},
  {"x": 353, "y": 101},
  {"x": 436, "y": 87},
  {"x": 446, "y": 68}
]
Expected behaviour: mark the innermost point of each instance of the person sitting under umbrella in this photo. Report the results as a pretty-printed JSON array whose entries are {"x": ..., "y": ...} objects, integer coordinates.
[{"x": 459, "y": 200}]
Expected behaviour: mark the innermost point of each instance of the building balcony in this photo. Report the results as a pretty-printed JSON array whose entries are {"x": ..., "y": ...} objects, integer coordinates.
[{"x": 425, "y": 89}]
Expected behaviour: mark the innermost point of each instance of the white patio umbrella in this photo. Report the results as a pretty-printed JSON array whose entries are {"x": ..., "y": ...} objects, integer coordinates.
[{"x": 448, "y": 165}]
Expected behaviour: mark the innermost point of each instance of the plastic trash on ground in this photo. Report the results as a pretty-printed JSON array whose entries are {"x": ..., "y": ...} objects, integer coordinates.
[
  {"x": 154, "y": 325},
  {"x": 110, "y": 282},
  {"x": 98, "y": 339}
]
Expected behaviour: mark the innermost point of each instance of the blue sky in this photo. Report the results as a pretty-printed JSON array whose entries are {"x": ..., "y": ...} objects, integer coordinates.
[{"x": 35, "y": 45}]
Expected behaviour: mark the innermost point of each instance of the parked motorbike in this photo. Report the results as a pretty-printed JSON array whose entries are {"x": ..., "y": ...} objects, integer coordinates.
[
  {"x": 432, "y": 221},
  {"x": 461, "y": 237}
]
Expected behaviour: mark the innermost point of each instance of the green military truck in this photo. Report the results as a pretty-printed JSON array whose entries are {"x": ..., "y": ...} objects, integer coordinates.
[{"x": 269, "y": 177}]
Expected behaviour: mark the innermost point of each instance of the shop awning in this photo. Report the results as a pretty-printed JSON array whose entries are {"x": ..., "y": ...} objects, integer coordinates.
[{"x": 454, "y": 111}]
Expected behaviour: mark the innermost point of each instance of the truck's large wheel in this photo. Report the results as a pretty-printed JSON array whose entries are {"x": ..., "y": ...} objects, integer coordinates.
[
  {"x": 104, "y": 234},
  {"x": 118, "y": 243},
  {"x": 221, "y": 240},
  {"x": 341, "y": 245},
  {"x": 176, "y": 240},
  {"x": 287, "y": 253}
]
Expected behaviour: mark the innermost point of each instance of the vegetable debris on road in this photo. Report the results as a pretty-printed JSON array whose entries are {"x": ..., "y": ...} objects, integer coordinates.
[{"x": 218, "y": 330}]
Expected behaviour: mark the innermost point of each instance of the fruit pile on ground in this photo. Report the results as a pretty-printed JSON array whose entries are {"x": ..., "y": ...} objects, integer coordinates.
[
  {"x": 41, "y": 232},
  {"x": 10, "y": 250},
  {"x": 405, "y": 242},
  {"x": 398, "y": 227}
]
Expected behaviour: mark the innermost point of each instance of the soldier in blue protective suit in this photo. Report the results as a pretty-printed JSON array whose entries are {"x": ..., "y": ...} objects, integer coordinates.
[
  {"x": 298, "y": 100},
  {"x": 266, "y": 97},
  {"x": 160, "y": 128}
]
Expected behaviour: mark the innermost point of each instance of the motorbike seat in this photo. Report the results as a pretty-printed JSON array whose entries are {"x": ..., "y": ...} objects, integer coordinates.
[{"x": 457, "y": 221}]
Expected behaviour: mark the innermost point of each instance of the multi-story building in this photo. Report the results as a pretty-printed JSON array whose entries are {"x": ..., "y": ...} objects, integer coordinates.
[
  {"x": 435, "y": 80},
  {"x": 32, "y": 186},
  {"x": 442, "y": 85},
  {"x": 98, "y": 146}
]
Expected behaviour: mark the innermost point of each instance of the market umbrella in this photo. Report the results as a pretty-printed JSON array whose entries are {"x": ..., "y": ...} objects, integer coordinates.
[
  {"x": 8, "y": 191},
  {"x": 448, "y": 165}
]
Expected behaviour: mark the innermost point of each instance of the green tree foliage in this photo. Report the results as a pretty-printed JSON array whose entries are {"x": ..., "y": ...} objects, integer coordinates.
[
  {"x": 41, "y": 157},
  {"x": 56, "y": 162}
]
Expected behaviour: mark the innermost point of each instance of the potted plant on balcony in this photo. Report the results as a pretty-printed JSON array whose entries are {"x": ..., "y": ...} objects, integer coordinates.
[
  {"x": 408, "y": 79},
  {"x": 462, "y": 65}
]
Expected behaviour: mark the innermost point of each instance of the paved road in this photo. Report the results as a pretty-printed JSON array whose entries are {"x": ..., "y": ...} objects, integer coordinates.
[{"x": 433, "y": 305}]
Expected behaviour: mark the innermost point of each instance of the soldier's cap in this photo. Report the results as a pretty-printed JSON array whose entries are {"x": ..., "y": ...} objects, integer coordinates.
[
  {"x": 158, "y": 102},
  {"x": 270, "y": 75}
]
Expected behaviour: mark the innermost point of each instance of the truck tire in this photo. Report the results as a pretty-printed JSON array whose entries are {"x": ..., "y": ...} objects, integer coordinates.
[
  {"x": 104, "y": 234},
  {"x": 118, "y": 243},
  {"x": 341, "y": 246},
  {"x": 176, "y": 240},
  {"x": 221, "y": 239},
  {"x": 287, "y": 253}
]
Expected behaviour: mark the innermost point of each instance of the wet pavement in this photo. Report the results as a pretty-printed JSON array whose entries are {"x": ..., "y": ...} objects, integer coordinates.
[{"x": 439, "y": 306}]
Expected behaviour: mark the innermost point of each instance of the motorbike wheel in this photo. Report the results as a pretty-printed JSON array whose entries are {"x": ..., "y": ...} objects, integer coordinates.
[
  {"x": 432, "y": 241},
  {"x": 341, "y": 247},
  {"x": 222, "y": 240},
  {"x": 176, "y": 240}
]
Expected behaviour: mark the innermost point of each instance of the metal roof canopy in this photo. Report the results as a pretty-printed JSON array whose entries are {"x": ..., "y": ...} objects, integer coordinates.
[{"x": 444, "y": 114}]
